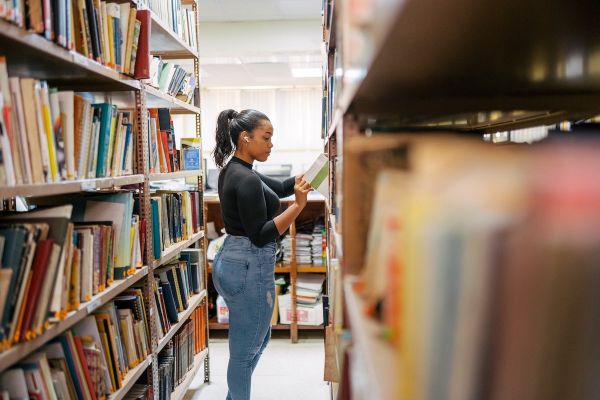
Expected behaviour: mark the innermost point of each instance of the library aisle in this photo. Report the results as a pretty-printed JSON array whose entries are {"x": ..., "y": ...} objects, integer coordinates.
[{"x": 291, "y": 372}]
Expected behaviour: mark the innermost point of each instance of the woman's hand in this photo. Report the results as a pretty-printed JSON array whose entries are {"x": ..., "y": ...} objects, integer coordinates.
[{"x": 301, "y": 189}]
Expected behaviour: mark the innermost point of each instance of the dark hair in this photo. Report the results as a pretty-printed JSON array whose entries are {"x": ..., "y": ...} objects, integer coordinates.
[{"x": 229, "y": 126}]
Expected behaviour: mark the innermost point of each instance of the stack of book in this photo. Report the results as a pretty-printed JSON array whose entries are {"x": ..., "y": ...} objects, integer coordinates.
[
  {"x": 89, "y": 361},
  {"x": 178, "y": 18},
  {"x": 172, "y": 79},
  {"x": 319, "y": 244},
  {"x": 110, "y": 33},
  {"x": 309, "y": 288},
  {"x": 48, "y": 135},
  {"x": 54, "y": 259},
  {"x": 176, "y": 216},
  {"x": 310, "y": 245},
  {"x": 309, "y": 305}
]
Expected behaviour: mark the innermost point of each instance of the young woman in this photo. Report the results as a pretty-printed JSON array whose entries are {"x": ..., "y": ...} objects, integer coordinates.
[{"x": 244, "y": 266}]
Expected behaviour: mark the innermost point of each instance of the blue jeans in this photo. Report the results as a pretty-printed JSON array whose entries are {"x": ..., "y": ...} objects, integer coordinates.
[{"x": 243, "y": 275}]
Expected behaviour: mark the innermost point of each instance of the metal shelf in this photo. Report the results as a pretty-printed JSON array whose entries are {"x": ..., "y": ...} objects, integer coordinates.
[
  {"x": 21, "y": 350},
  {"x": 173, "y": 250},
  {"x": 378, "y": 356},
  {"x": 74, "y": 186},
  {"x": 173, "y": 175},
  {"x": 158, "y": 99},
  {"x": 165, "y": 42},
  {"x": 131, "y": 378},
  {"x": 193, "y": 303},
  {"x": 181, "y": 389},
  {"x": 61, "y": 67}
]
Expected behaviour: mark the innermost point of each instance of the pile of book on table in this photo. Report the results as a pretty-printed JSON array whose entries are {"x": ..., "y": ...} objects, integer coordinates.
[
  {"x": 309, "y": 304},
  {"x": 310, "y": 244}
]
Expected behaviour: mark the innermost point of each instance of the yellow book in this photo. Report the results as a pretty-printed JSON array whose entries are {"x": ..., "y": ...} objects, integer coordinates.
[
  {"x": 49, "y": 131},
  {"x": 111, "y": 42},
  {"x": 116, "y": 121},
  {"x": 129, "y": 42}
]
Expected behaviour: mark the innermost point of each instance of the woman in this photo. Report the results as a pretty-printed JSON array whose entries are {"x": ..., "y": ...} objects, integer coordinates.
[{"x": 244, "y": 266}]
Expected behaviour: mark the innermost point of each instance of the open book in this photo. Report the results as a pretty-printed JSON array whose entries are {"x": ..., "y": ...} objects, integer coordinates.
[{"x": 317, "y": 175}]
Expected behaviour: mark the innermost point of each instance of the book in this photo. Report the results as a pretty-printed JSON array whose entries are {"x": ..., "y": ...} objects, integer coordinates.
[
  {"x": 317, "y": 175},
  {"x": 142, "y": 59}
]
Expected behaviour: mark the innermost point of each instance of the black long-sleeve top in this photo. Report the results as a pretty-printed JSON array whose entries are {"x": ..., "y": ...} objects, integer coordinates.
[{"x": 250, "y": 200}]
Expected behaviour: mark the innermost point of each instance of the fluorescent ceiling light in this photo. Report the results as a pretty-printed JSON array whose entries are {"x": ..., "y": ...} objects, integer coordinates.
[{"x": 307, "y": 72}]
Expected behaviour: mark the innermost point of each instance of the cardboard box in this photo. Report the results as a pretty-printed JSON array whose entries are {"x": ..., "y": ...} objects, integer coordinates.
[{"x": 306, "y": 314}]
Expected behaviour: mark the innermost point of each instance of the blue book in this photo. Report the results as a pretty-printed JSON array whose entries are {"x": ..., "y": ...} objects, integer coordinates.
[
  {"x": 69, "y": 358},
  {"x": 14, "y": 243},
  {"x": 127, "y": 144},
  {"x": 106, "y": 116},
  {"x": 169, "y": 301},
  {"x": 191, "y": 158},
  {"x": 156, "y": 245}
]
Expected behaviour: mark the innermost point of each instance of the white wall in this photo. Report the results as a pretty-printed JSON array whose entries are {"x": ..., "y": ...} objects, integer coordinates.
[
  {"x": 247, "y": 65},
  {"x": 295, "y": 115}
]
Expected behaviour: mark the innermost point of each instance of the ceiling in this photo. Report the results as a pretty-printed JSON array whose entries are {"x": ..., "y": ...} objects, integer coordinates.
[
  {"x": 258, "y": 10},
  {"x": 261, "y": 53}
]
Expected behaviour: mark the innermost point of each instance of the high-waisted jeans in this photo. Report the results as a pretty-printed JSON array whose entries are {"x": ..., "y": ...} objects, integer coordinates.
[{"x": 243, "y": 275}]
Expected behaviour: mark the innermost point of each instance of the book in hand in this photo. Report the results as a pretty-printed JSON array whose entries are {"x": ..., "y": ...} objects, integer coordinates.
[{"x": 317, "y": 175}]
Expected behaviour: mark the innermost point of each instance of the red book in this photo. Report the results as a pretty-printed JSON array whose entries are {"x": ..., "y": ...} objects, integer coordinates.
[
  {"x": 84, "y": 366},
  {"x": 142, "y": 60},
  {"x": 143, "y": 238},
  {"x": 165, "y": 147},
  {"x": 38, "y": 273}
]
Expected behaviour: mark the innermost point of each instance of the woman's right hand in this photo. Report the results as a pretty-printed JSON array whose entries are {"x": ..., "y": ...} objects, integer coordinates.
[{"x": 301, "y": 189}]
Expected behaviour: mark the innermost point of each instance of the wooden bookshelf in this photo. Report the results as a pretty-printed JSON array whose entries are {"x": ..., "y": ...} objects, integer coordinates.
[
  {"x": 31, "y": 55},
  {"x": 131, "y": 378},
  {"x": 170, "y": 252},
  {"x": 21, "y": 350},
  {"x": 158, "y": 99},
  {"x": 56, "y": 64},
  {"x": 193, "y": 303},
  {"x": 377, "y": 355},
  {"x": 70, "y": 186},
  {"x": 314, "y": 208},
  {"x": 165, "y": 42},
  {"x": 181, "y": 389},
  {"x": 287, "y": 268},
  {"x": 214, "y": 324}
]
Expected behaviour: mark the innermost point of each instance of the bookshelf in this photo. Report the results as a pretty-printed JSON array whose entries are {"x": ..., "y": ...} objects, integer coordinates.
[
  {"x": 403, "y": 78},
  {"x": 71, "y": 186},
  {"x": 315, "y": 208},
  {"x": 33, "y": 56},
  {"x": 131, "y": 378},
  {"x": 180, "y": 392},
  {"x": 158, "y": 99},
  {"x": 193, "y": 302},
  {"x": 176, "y": 248},
  {"x": 165, "y": 42},
  {"x": 375, "y": 356},
  {"x": 174, "y": 175},
  {"x": 21, "y": 350},
  {"x": 56, "y": 64}
]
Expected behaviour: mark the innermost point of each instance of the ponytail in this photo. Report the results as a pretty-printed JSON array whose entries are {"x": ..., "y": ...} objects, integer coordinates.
[
  {"x": 229, "y": 126},
  {"x": 224, "y": 146}
]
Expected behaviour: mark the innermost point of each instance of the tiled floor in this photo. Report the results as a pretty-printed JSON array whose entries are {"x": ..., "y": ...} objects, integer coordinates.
[{"x": 285, "y": 371}]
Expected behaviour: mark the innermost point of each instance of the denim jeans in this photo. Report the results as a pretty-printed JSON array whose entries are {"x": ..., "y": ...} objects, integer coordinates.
[{"x": 243, "y": 275}]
